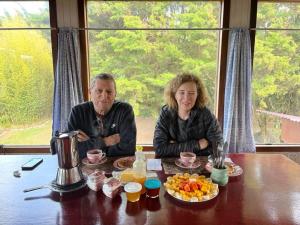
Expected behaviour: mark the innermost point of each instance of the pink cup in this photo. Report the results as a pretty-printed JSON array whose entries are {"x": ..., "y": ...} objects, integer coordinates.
[
  {"x": 95, "y": 155},
  {"x": 187, "y": 158}
]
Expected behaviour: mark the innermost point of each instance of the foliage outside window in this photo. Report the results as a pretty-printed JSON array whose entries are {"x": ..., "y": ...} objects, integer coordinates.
[
  {"x": 145, "y": 44},
  {"x": 26, "y": 73},
  {"x": 276, "y": 74}
]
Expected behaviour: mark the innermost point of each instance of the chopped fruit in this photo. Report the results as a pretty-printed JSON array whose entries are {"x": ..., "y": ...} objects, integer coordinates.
[
  {"x": 187, "y": 187},
  {"x": 194, "y": 186},
  {"x": 199, "y": 186},
  {"x": 191, "y": 187}
]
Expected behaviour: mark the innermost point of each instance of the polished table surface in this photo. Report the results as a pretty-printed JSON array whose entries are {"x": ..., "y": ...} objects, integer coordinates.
[{"x": 268, "y": 192}]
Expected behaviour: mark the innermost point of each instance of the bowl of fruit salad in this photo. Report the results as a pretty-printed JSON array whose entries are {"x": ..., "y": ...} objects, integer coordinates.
[{"x": 191, "y": 188}]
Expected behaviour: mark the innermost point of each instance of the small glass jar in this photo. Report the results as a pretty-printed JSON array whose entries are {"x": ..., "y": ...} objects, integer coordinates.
[
  {"x": 96, "y": 180},
  {"x": 152, "y": 188}
]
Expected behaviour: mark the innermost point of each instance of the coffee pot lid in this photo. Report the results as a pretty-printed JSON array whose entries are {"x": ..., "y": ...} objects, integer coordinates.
[{"x": 68, "y": 134}]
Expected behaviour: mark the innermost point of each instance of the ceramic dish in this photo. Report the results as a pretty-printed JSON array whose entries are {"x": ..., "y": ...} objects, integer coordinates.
[
  {"x": 204, "y": 198},
  {"x": 233, "y": 170},
  {"x": 124, "y": 163},
  {"x": 86, "y": 162},
  {"x": 191, "y": 188},
  {"x": 195, "y": 164}
]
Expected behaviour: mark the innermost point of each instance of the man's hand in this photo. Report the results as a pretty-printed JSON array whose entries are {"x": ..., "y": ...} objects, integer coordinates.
[
  {"x": 112, "y": 140},
  {"x": 203, "y": 143},
  {"x": 82, "y": 136}
]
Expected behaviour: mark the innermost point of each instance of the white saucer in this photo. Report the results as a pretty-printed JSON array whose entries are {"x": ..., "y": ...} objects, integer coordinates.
[
  {"x": 86, "y": 162},
  {"x": 235, "y": 171},
  {"x": 195, "y": 164}
]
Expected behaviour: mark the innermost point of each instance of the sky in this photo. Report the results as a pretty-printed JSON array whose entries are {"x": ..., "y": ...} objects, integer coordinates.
[{"x": 15, "y": 6}]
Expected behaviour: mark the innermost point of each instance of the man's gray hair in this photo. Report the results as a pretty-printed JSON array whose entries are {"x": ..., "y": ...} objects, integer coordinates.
[{"x": 102, "y": 76}]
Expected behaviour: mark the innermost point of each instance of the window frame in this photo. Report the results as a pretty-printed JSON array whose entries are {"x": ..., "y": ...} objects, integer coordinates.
[
  {"x": 225, "y": 24},
  {"x": 29, "y": 149}
]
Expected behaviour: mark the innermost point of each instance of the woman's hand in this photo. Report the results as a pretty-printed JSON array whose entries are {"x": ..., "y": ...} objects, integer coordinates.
[
  {"x": 203, "y": 143},
  {"x": 82, "y": 136}
]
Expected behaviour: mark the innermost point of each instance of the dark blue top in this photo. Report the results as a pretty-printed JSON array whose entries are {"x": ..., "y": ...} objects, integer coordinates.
[
  {"x": 119, "y": 119},
  {"x": 169, "y": 139}
]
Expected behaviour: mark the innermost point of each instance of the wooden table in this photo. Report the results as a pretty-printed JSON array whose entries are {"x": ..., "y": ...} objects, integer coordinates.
[{"x": 268, "y": 192}]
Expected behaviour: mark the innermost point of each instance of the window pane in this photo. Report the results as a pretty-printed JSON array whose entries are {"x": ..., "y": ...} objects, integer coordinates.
[
  {"x": 276, "y": 80},
  {"x": 24, "y": 14},
  {"x": 278, "y": 15},
  {"x": 151, "y": 14},
  {"x": 26, "y": 76},
  {"x": 143, "y": 61}
]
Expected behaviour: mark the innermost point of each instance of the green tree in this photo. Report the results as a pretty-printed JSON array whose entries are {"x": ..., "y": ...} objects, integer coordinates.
[
  {"x": 276, "y": 83},
  {"x": 145, "y": 60},
  {"x": 26, "y": 77}
]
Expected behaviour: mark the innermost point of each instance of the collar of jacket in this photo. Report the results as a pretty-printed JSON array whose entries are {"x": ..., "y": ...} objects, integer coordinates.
[
  {"x": 174, "y": 117},
  {"x": 107, "y": 114},
  {"x": 193, "y": 113}
]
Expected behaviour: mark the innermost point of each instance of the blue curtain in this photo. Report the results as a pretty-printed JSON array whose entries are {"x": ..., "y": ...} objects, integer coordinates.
[
  {"x": 237, "y": 108},
  {"x": 67, "y": 86}
]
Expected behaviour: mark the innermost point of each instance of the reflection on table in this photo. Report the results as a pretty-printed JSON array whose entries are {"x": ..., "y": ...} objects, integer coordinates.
[{"x": 266, "y": 193}]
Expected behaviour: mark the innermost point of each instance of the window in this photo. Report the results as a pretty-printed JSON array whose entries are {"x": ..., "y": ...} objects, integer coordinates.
[
  {"x": 276, "y": 74},
  {"x": 26, "y": 73},
  {"x": 146, "y": 43}
]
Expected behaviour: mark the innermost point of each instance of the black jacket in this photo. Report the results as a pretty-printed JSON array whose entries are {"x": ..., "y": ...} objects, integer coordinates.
[
  {"x": 201, "y": 124},
  {"x": 120, "y": 119}
]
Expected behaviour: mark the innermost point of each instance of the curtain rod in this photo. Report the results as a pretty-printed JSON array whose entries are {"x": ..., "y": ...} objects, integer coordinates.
[{"x": 115, "y": 29}]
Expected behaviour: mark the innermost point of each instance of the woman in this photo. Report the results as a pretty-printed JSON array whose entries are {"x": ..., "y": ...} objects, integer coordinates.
[{"x": 185, "y": 123}]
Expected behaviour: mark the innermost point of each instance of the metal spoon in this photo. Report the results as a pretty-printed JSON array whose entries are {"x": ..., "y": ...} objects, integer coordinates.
[
  {"x": 215, "y": 154},
  {"x": 37, "y": 188},
  {"x": 224, "y": 151}
]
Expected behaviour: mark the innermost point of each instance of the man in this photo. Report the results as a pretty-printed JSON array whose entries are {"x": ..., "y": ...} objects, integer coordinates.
[{"x": 104, "y": 123}]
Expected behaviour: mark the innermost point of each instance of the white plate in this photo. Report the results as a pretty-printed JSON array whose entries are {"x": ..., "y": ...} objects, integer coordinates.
[
  {"x": 183, "y": 179},
  {"x": 204, "y": 198},
  {"x": 124, "y": 163}
]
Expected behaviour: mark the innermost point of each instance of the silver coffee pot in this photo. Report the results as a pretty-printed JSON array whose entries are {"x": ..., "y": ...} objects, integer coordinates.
[{"x": 65, "y": 146}]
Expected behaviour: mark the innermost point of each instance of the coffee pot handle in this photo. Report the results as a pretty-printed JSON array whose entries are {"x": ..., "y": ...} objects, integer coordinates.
[
  {"x": 53, "y": 149},
  {"x": 53, "y": 146}
]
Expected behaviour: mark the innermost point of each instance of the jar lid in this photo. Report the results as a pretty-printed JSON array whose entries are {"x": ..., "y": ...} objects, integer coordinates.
[
  {"x": 132, "y": 187},
  {"x": 152, "y": 183}
]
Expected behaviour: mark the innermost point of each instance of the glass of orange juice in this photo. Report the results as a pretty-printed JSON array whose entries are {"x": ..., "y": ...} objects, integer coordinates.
[
  {"x": 133, "y": 191},
  {"x": 140, "y": 179},
  {"x": 127, "y": 175}
]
